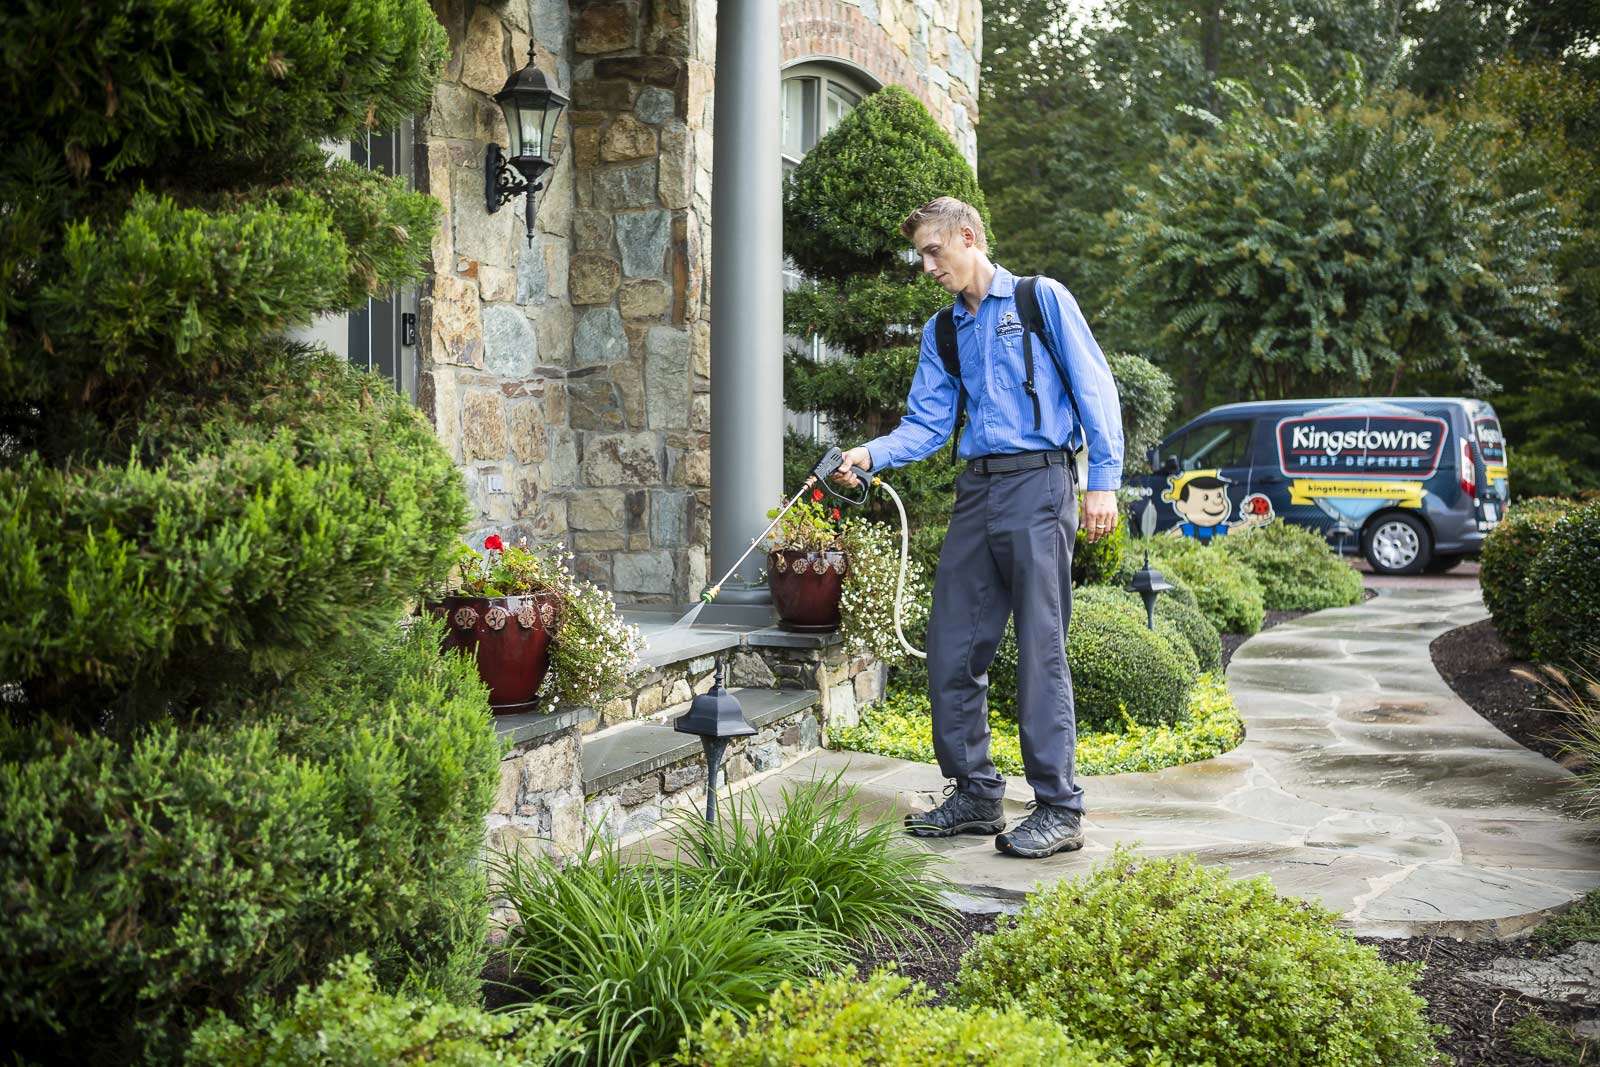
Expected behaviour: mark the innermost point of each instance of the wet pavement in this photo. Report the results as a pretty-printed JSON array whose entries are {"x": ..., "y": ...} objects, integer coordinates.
[{"x": 1363, "y": 782}]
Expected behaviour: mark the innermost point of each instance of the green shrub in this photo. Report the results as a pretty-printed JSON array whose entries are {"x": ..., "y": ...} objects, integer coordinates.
[
  {"x": 1296, "y": 568},
  {"x": 1131, "y": 606},
  {"x": 347, "y": 1021},
  {"x": 884, "y": 1021},
  {"x": 1564, "y": 587},
  {"x": 1121, "y": 670},
  {"x": 860, "y": 883},
  {"x": 1508, "y": 555},
  {"x": 1096, "y": 562},
  {"x": 1146, "y": 395},
  {"x": 1168, "y": 961},
  {"x": 636, "y": 954},
  {"x": 1200, "y": 635},
  {"x": 212, "y": 867},
  {"x": 1226, "y": 590},
  {"x": 843, "y": 205}
]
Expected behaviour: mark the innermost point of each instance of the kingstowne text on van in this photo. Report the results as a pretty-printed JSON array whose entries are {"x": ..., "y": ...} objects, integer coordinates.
[{"x": 1335, "y": 441}]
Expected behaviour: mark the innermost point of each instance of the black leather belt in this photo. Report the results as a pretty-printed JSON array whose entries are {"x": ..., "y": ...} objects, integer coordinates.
[{"x": 1008, "y": 462}]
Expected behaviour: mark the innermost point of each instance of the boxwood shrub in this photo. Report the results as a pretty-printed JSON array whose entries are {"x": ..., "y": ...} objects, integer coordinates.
[
  {"x": 1564, "y": 587},
  {"x": 1226, "y": 590},
  {"x": 1121, "y": 670},
  {"x": 885, "y": 1021},
  {"x": 216, "y": 866},
  {"x": 1296, "y": 568},
  {"x": 1508, "y": 554},
  {"x": 348, "y": 1021},
  {"x": 1167, "y": 961},
  {"x": 1099, "y": 561}
]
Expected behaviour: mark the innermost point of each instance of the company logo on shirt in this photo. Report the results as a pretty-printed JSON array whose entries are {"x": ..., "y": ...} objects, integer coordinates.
[
  {"x": 1384, "y": 446},
  {"x": 1009, "y": 325}
]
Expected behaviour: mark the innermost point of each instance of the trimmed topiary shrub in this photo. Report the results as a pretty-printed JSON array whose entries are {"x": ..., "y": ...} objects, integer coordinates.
[
  {"x": 1508, "y": 555},
  {"x": 347, "y": 1021},
  {"x": 1296, "y": 568},
  {"x": 1167, "y": 961},
  {"x": 1226, "y": 590},
  {"x": 1200, "y": 635},
  {"x": 1146, "y": 395},
  {"x": 1564, "y": 587},
  {"x": 884, "y": 1021},
  {"x": 216, "y": 866},
  {"x": 1131, "y": 606}
]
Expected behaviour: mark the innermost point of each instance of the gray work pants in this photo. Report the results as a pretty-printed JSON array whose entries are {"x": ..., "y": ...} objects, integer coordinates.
[{"x": 1008, "y": 550}]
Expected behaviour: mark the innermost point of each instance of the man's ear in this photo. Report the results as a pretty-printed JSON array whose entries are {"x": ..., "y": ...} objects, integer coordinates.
[{"x": 968, "y": 238}]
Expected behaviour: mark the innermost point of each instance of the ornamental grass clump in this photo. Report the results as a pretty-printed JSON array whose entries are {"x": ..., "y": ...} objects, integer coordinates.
[
  {"x": 636, "y": 954},
  {"x": 593, "y": 651},
  {"x": 882, "y": 1021},
  {"x": 860, "y": 883},
  {"x": 1169, "y": 962}
]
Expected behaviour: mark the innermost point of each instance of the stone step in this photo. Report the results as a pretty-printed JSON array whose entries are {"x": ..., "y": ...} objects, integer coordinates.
[{"x": 635, "y": 772}]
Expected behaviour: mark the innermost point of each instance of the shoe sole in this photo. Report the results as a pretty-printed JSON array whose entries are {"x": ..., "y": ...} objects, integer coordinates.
[
  {"x": 1038, "y": 853},
  {"x": 927, "y": 830}
]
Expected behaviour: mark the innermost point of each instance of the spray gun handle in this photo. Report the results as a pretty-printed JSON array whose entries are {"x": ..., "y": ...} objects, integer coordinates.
[{"x": 829, "y": 465}]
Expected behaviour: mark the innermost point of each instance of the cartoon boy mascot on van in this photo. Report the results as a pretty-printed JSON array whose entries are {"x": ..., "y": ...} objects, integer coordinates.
[{"x": 1201, "y": 499}]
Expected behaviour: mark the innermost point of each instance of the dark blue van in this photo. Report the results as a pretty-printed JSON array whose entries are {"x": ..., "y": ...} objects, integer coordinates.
[{"x": 1412, "y": 483}]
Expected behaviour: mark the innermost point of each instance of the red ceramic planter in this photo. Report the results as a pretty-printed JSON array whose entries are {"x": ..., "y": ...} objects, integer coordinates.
[
  {"x": 509, "y": 637},
  {"x": 805, "y": 589}
]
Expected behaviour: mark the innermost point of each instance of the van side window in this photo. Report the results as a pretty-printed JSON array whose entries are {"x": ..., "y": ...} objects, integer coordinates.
[{"x": 1215, "y": 444}]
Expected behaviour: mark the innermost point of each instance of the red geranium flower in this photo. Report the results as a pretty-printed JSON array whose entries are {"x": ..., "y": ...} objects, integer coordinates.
[
  {"x": 494, "y": 544},
  {"x": 834, "y": 515},
  {"x": 816, "y": 494}
]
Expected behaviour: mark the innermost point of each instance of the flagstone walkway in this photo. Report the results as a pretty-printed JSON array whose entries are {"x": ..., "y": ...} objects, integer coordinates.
[{"x": 1363, "y": 782}]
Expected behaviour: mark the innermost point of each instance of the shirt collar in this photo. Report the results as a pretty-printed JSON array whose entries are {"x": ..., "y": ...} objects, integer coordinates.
[{"x": 1003, "y": 284}]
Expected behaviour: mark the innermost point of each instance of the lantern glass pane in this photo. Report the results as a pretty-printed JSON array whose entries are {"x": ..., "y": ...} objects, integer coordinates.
[
  {"x": 533, "y": 139},
  {"x": 551, "y": 116},
  {"x": 513, "y": 127}
]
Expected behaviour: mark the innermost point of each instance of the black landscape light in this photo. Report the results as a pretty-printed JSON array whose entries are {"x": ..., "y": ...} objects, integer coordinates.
[
  {"x": 1147, "y": 581},
  {"x": 717, "y": 718},
  {"x": 531, "y": 106}
]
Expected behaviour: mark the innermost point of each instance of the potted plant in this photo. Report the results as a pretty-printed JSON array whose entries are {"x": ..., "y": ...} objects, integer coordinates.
[
  {"x": 827, "y": 572},
  {"x": 541, "y": 636}
]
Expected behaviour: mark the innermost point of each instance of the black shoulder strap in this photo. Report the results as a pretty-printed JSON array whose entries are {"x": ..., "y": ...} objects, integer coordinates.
[
  {"x": 944, "y": 333},
  {"x": 1033, "y": 323}
]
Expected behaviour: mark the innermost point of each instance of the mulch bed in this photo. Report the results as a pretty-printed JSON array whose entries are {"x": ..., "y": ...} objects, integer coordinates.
[
  {"x": 1475, "y": 1017},
  {"x": 1475, "y": 663}
]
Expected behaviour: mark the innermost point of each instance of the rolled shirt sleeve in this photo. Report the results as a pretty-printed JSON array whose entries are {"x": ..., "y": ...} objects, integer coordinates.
[
  {"x": 930, "y": 412},
  {"x": 1090, "y": 379}
]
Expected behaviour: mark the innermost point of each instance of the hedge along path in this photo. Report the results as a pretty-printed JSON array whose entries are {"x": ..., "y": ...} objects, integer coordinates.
[{"x": 1363, "y": 782}]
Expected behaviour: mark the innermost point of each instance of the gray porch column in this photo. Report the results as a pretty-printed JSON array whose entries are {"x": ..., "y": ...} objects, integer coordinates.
[{"x": 746, "y": 291}]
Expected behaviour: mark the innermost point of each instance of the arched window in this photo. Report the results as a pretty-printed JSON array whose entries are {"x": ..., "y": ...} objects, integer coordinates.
[{"x": 816, "y": 95}]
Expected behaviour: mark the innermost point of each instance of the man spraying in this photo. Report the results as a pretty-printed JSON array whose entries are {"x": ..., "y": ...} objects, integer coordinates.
[{"x": 1015, "y": 357}]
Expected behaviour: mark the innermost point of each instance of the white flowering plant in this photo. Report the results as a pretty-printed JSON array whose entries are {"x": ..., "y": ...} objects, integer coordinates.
[
  {"x": 593, "y": 652},
  {"x": 867, "y": 604}
]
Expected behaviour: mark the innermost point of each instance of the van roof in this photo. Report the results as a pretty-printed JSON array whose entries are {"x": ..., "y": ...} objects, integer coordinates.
[{"x": 1264, "y": 406}]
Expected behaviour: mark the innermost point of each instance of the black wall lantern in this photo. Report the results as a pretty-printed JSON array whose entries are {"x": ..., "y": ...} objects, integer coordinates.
[
  {"x": 717, "y": 718},
  {"x": 531, "y": 108}
]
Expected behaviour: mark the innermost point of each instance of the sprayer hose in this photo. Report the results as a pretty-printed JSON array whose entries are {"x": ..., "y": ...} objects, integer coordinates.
[{"x": 905, "y": 555}]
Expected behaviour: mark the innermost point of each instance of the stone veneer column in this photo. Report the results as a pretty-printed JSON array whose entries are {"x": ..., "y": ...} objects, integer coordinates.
[{"x": 747, "y": 308}]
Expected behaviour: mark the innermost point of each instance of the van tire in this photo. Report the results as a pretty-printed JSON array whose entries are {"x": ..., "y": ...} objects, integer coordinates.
[
  {"x": 1396, "y": 543},
  {"x": 1445, "y": 561}
]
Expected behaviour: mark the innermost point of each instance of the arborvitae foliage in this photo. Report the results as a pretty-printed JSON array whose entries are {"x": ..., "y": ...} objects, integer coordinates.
[{"x": 222, "y": 764}]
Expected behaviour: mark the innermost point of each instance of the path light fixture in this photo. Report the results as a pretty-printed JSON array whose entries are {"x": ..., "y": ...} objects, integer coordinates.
[
  {"x": 717, "y": 718},
  {"x": 1147, "y": 581},
  {"x": 531, "y": 106}
]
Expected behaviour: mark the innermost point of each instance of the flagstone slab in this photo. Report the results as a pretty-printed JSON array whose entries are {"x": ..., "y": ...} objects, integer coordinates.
[{"x": 1363, "y": 782}]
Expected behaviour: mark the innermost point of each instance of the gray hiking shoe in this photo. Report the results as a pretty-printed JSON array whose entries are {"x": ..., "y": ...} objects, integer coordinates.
[
  {"x": 1048, "y": 829},
  {"x": 961, "y": 813}
]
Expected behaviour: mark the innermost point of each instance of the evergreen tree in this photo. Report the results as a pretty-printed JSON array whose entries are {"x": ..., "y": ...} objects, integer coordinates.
[{"x": 223, "y": 764}]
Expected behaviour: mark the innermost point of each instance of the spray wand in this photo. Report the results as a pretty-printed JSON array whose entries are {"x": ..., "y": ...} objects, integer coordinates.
[{"x": 821, "y": 474}]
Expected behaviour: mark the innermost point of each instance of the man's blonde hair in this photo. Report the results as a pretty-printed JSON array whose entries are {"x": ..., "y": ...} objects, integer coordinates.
[{"x": 949, "y": 215}]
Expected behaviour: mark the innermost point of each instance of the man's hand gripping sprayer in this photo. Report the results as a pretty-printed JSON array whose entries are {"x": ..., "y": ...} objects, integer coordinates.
[{"x": 823, "y": 474}]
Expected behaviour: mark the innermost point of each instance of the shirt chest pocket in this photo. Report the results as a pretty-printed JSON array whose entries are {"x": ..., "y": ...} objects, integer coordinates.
[{"x": 1010, "y": 370}]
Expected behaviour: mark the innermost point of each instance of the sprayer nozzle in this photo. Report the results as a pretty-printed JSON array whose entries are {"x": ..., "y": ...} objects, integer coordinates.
[{"x": 710, "y": 594}]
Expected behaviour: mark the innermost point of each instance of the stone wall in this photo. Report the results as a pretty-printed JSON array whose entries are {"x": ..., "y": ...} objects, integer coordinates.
[
  {"x": 569, "y": 377},
  {"x": 931, "y": 47}
]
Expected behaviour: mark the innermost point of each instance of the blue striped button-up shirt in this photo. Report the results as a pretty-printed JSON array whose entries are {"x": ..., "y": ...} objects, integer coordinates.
[{"x": 999, "y": 413}]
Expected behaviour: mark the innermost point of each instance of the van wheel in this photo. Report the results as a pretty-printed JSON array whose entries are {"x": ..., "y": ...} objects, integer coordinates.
[
  {"x": 1447, "y": 562},
  {"x": 1396, "y": 543}
]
